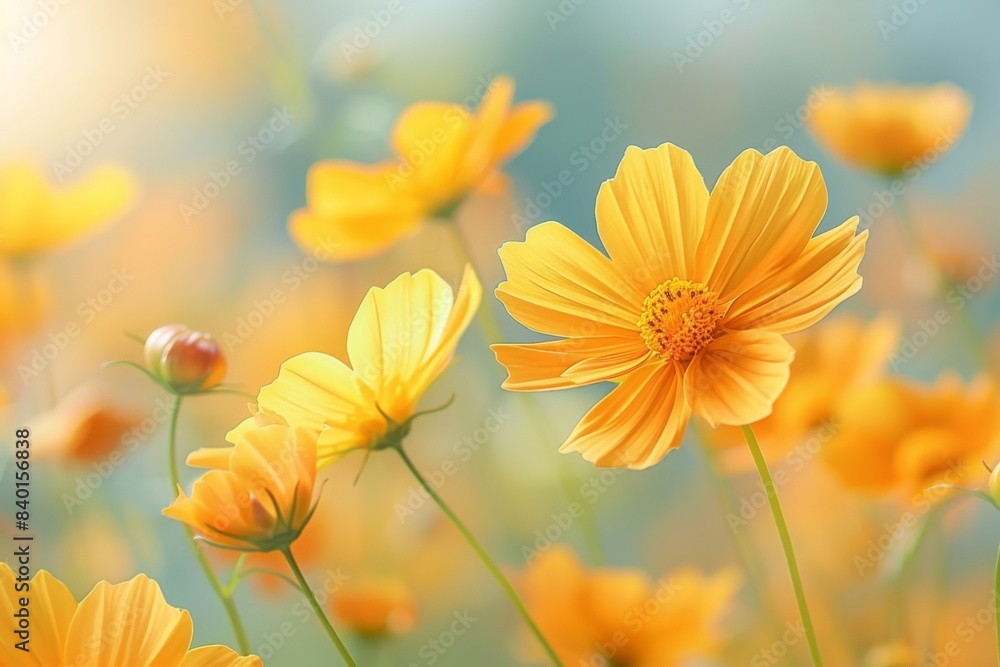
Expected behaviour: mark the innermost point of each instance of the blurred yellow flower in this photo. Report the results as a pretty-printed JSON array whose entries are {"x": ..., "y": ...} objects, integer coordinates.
[
  {"x": 443, "y": 153},
  {"x": 620, "y": 617},
  {"x": 122, "y": 625},
  {"x": 401, "y": 339},
  {"x": 376, "y": 607},
  {"x": 88, "y": 425},
  {"x": 899, "y": 435},
  {"x": 892, "y": 655},
  {"x": 889, "y": 128},
  {"x": 36, "y": 216},
  {"x": 831, "y": 360},
  {"x": 24, "y": 301},
  {"x": 689, "y": 312},
  {"x": 262, "y": 498}
]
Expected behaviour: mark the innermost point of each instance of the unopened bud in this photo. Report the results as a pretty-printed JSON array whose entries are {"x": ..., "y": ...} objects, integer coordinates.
[{"x": 187, "y": 361}]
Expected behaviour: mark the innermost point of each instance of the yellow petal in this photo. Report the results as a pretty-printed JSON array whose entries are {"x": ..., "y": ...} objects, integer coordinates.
[
  {"x": 282, "y": 461},
  {"x": 136, "y": 625},
  {"x": 218, "y": 656},
  {"x": 637, "y": 424},
  {"x": 651, "y": 214},
  {"x": 489, "y": 119},
  {"x": 806, "y": 290},
  {"x": 560, "y": 285},
  {"x": 432, "y": 140},
  {"x": 216, "y": 458},
  {"x": 737, "y": 378},
  {"x": 762, "y": 212},
  {"x": 51, "y": 607},
  {"x": 519, "y": 129},
  {"x": 568, "y": 363}
]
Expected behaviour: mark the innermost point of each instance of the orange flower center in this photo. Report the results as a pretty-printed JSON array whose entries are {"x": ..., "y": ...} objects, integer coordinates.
[{"x": 678, "y": 319}]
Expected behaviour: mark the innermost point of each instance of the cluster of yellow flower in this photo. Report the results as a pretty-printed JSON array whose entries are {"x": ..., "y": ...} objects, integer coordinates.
[{"x": 686, "y": 312}]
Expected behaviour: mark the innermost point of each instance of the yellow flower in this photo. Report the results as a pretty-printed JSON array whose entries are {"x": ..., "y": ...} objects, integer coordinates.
[
  {"x": 831, "y": 361},
  {"x": 86, "y": 426},
  {"x": 401, "y": 339},
  {"x": 619, "y": 617},
  {"x": 887, "y": 128},
  {"x": 443, "y": 153},
  {"x": 261, "y": 499},
  {"x": 899, "y": 435},
  {"x": 122, "y": 625},
  {"x": 689, "y": 312},
  {"x": 376, "y": 607},
  {"x": 36, "y": 216}
]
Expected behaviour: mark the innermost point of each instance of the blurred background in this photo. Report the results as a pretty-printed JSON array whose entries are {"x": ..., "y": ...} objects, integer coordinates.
[{"x": 179, "y": 92}]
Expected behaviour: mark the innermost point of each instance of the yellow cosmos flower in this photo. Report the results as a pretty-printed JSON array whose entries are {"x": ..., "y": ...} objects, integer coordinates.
[
  {"x": 900, "y": 435},
  {"x": 36, "y": 216},
  {"x": 443, "y": 153},
  {"x": 887, "y": 128},
  {"x": 122, "y": 625},
  {"x": 831, "y": 361},
  {"x": 401, "y": 339},
  {"x": 689, "y": 312},
  {"x": 376, "y": 607},
  {"x": 261, "y": 499},
  {"x": 620, "y": 617}
]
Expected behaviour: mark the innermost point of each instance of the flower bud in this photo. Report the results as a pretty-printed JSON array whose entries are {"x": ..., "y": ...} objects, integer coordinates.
[{"x": 187, "y": 361}]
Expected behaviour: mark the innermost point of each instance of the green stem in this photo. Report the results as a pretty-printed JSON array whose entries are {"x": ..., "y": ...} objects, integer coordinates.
[
  {"x": 483, "y": 556},
  {"x": 490, "y": 327},
  {"x": 786, "y": 543},
  {"x": 317, "y": 609},
  {"x": 225, "y": 597},
  {"x": 903, "y": 578}
]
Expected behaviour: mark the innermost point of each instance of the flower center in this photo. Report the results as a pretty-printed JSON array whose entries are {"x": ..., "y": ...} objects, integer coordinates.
[{"x": 678, "y": 319}]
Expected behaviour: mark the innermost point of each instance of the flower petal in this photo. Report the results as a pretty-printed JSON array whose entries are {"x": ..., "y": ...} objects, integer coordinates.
[
  {"x": 566, "y": 363},
  {"x": 651, "y": 214},
  {"x": 559, "y": 284},
  {"x": 432, "y": 140},
  {"x": 355, "y": 211},
  {"x": 52, "y": 608},
  {"x": 737, "y": 378},
  {"x": 806, "y": 290},
  {"x": 219, "y": 656},
  {"x": 637, "y": 424},
  {"x": 519, "y": 129},
  {"x": 127, "y": 625},
  {"x": 762, "y": 212}
]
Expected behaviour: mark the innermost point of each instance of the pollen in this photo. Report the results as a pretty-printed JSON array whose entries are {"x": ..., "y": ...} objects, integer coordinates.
[{"x": 679, "y": 319}]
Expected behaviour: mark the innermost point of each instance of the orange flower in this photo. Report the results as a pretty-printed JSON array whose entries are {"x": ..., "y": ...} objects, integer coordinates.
[
  {"x": 620, "y": 617},
  {"x": 443, "y": 153},
  {"x": 86, "y": 426},
  {"x": 262, "y": 499},
  {"x": 122, "y": 625},
  {"x": 886, "y": 128},
  {"x": 689, "y": 313},
  {"x": 831, "y": 361},
  {"x": 36, "y": 216},
  {"x": 376, "y": 607},
  {"x": 899, "y": 435}
]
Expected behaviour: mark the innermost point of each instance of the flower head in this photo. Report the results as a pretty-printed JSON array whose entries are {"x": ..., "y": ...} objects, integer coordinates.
[
  {"x": 589, "y": 616},
  {"x": 689, "y": 312},
  {"x": 443, "y": 153},
  {"x": 900, "y": 435},
  {"x": 376, "y": 607},
  {"x": 401, "y": 339},
  {"x": 888, "y": 128},
  {"x": 36, "y": 216},
  {"x": 87, "y": 425},
  {"x": 121, "y": 625},
  {"x": 184, "y": 360},
  {"x": 262, "y": 498}
]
